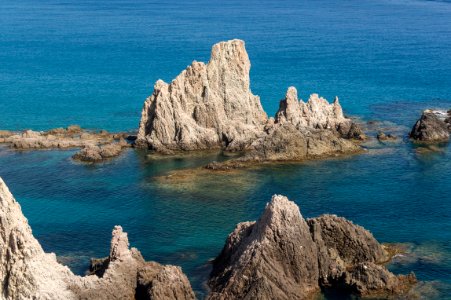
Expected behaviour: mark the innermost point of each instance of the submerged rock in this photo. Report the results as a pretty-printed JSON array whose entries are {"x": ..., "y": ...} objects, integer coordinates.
[
  {"x": 210, "y": 106},
  {"x": 381, "y": 136},
  {"x": 282, "y": 256},
  {"x": 27, "y": 272},
  {"x": 433, "y": 126}
]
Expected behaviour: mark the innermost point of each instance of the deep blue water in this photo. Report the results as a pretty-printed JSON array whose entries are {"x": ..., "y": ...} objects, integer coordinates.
[{"x": 94, "y": 62}]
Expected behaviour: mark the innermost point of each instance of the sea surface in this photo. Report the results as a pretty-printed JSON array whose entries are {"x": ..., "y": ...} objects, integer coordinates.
[{"x": 93, "y": 63}]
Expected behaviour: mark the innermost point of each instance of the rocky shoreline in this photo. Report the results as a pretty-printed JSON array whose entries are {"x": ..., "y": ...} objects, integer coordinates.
[
  {"x": 280, "y": 256},
  {"x": 96, "y": 146}
]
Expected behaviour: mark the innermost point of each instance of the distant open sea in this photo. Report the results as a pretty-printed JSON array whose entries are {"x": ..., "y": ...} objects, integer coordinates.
[{"x": 93, "y": 63}]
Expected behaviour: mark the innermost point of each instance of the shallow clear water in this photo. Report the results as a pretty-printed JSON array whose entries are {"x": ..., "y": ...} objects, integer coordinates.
[{"x": 93, "y": 63}]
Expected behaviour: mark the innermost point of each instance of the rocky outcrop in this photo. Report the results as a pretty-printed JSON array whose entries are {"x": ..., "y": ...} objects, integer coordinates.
[
  {"x": 210, "y": 106},
  {"x": 433, "y": 126},
  {"x": 207, "y": 106},
  {"x": 282, "y": 256},
  {"x": 382, "y": 137},
  {"x": 98, "y": 153},
  {"x": 316, "y": 113},
  {"x": 59, "y": 138},
  {"x": 27, "y": 272},
  {"x": 264, "y": 260}
]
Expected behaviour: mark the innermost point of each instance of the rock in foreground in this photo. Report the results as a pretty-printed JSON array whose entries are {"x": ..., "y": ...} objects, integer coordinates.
[
  {"x": 27, "y": 272},
  {"x": 433, "y": 126},
  {"x": 283, "y": 256}
]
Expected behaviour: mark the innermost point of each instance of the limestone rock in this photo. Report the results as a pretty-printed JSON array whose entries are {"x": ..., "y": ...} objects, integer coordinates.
[
  {"x": 372, "y": 280},
  {"x": 210, "y": 106},
  {"x": 281, "y": 256},
  {"x": 316, "y": 113},
  {"x": 207, "y": 106},
  {"x": 342, "y": 244},
  {"x": 273, "y": 258},
  {"x": 156, "y": 281},
  {"x": 285, "y": 142},
  {"x": 98, "y": 153},
  {"x": 27, "y": 272},
  {"x": 381, "y": 136},
  {"x": 58, "y": 138},
  {"x": 432, "y": 127}
]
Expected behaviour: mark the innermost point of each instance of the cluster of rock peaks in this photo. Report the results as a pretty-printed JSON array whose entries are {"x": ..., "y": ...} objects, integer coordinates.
[
  {"x": 284, "y": 256},
  {"x": 281, "y": 256},
  {"x": 211, "y": 106},
  {"x": 27, "y": 272}
]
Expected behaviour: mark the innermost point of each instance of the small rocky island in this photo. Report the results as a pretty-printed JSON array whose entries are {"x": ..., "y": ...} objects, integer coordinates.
[
  {"x": 281, "y": 256},
  {"x": 210, "y": 106},
  {"x": 433, "y": 126},
  {"x": 95, "y": 146}
]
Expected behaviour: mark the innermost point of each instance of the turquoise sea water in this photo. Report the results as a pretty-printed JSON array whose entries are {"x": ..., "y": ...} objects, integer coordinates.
[{"x": 94, "y": 62}]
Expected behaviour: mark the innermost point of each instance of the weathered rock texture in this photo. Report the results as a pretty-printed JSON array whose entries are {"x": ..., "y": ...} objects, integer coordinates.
[
  {"x": 27, "y": 272},
  {"x": 282, "y": 256},
  {"x": 95, "y": 146},
  {"x": 59, "y": 138},
  {"x": 210, "y": 106},
  {"x": 207, "y": 106},
  {"x": 316, "y": 113},
  {"x": 98, "y": 153},
  {"x": 433, "y": 126}
]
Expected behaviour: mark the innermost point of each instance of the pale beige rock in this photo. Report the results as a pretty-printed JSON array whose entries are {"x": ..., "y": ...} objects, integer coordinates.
[
  {"x": 210, "y": 106},
  {"x": 27, "y": 272},
  {"x": 316, "y": 113},
  {"x": 207, "y": 106}
]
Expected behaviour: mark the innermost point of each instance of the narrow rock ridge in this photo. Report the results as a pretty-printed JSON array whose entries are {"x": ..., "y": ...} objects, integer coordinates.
[
  {"x": 27, "y": 272},
  {"x": 95, "y": 146},
  {"x": 433, "y": 126},
  {"x": 283, "y": 256},
  {"x": 210, "y": 106}
]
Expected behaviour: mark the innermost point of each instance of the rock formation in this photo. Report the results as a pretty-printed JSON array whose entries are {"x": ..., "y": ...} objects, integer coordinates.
[
  {"x": 433, "y": 126},
  {"x": 27, "y": 272},
  {"x": 95, "y": 146},
  {"x": 207, "y": 106},
  {"x": 316, "y": 113},
  {"x": 282, "y": 256},
  {"x": 58, "y": 138},
  {"x": 274, "y": 258},
  {"x": 210, "y": 106},
  {"x": 382, "y": 137},
  {"x": 98, "y": 153}
]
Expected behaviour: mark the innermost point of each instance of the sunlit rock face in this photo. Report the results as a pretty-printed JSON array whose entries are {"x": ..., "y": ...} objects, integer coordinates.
[
  {"x": 27, "y": 272},
  {"x": 211, "y": 106},
  {"x": 207, "y": 106}
]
